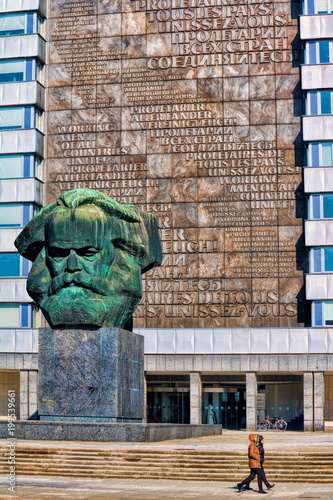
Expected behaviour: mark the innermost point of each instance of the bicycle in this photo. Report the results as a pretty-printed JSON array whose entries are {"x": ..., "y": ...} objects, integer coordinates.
[{"x": 276, "y": 422}]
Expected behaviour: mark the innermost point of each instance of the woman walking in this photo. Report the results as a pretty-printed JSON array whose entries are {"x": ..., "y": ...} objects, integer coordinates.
[
  {"x": 262, "y": 459},
  {"x": 254, "y": 464}
]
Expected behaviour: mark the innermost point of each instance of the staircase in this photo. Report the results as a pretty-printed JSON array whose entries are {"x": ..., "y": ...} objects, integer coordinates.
[{"x": 309, "y": 467}]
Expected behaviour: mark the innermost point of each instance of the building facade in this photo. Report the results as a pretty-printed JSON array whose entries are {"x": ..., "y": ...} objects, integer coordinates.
[{"x": 216, "y": 116}]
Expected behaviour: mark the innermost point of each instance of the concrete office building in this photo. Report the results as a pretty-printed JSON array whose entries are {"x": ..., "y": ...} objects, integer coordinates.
[{"x": 216, "y": 116}]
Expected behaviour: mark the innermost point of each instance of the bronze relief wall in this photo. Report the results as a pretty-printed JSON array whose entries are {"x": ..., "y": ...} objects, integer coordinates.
[{"x": 189, "y": 109}]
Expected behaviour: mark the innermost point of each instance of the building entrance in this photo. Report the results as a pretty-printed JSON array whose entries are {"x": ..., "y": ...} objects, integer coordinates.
[
  {"x": 224, "y": 401},
  {"x": 225, "y": 405},
  {"x": 168, "y": 407},
  {"x": 168, "y": 399},
  {"x": 282, "y": 395}
]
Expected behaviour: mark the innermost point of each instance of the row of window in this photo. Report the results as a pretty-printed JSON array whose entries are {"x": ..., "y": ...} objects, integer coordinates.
[
  {"x": 320, "y": 154},
  {"x": 18, "y": 166},
  {"x": 23, "y": 23}
]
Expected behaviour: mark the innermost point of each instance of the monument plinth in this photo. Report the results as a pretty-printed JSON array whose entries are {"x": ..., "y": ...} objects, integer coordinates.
[{"x": 90, "y": 375}]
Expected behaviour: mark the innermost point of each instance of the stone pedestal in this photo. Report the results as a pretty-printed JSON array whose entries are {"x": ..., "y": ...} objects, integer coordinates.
[{"x": 90, "y": 375}]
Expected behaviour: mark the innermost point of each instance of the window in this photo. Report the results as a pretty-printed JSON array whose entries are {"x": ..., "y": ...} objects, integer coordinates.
[
  {"x": 12, "y": 24},
  {"x": 322, "y": 313},
  {"x": 9, "y": 315},
  {"x": 319, "y": 52},
  {"x": 16, "y": 166},
  {"x": 24, "y": 70},
  {"x": 12, "y": 71},
  {"x": 39, "y": 119},
  {"x": 320, "y": 206},
  {"x": 12, "y": 265},
  {"x": 16, "y": 214},
  {"x": 17, "y": 315},
  {"x": 21, "y": 24},
  {"x": 13, "y": 118},
  {"x": 39, "y": 75},
  {"x": 319, "y": 103},
  {"x": 320, "y": 154},
  {"x": 321, "y": 260}
]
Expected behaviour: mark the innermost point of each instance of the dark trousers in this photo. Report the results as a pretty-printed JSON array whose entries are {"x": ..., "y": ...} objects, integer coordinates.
[
  {"x": 264, "y": 479},
  {"x": 254, "y": 473}
]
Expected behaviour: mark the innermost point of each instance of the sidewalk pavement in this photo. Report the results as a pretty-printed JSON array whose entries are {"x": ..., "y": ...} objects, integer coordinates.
[
  {"x": 46, "y": 488},
  {"x": 228, "y": 441}
]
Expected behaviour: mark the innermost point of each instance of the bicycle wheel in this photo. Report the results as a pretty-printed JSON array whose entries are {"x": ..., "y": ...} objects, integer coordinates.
[
  {"x": 263, "y": 425},
  {"x": 281, "y": 425}
]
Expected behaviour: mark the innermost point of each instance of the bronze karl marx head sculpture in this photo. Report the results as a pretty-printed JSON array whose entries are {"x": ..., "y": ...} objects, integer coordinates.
[{"x": 89, "y": 253}]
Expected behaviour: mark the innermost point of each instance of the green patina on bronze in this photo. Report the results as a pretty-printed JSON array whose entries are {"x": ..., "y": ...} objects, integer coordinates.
[{"x": 89, "y": 252}]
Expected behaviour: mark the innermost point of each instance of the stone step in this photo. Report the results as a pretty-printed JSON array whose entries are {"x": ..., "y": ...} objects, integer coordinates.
[
  {"x": 315, "y": 478},
  {"x": 153, "y": 452},
  {"x": 158, "y": 467},
  {"x": 310, "y": 467},
  {"x": 180, "y": 462},
  {"x": 170, "y": 459},
  {"x": 163, "y": 456},
  {"x": 184, "y": 468}
]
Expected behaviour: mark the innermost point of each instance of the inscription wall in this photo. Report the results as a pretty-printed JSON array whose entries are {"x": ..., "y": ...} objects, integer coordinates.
[{"x": 189, "y": 109}]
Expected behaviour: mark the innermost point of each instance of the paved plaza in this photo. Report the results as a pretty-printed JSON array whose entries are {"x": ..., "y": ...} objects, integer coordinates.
[{"x": 46, "y": 487}]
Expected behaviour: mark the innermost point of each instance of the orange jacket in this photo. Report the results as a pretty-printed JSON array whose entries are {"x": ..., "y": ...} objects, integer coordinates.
[{"x": 253, "y": 453}]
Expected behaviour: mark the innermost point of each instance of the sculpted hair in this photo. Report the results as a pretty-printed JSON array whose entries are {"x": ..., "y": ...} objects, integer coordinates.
[{"x": 133, "y": 230}]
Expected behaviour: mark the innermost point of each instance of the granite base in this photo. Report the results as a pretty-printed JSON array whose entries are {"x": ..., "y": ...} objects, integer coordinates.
[
  {"x": 90, "y": 375},
  {"x": 140, "y": 433}
]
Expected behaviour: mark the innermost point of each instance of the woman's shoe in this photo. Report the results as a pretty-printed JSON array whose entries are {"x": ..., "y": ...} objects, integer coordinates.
[
  {"x": 239, "y": 486},
  {"x": 270, "y": 486},
  {"x": 262, "y": 491}
]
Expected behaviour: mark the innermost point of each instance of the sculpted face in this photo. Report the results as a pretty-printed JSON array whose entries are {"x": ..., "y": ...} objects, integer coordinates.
[
  {"x": 89, "y": 281},
  {"x": 78, "y": 248}
]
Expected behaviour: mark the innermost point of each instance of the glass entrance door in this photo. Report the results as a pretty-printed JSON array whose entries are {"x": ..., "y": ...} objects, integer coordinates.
[
  {"x": 166, "y": 407},
  {"x": 226, "y": 406}
]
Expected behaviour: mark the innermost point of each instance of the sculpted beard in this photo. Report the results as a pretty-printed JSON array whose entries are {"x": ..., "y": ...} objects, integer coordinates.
[{"x": 82, "y": 280}]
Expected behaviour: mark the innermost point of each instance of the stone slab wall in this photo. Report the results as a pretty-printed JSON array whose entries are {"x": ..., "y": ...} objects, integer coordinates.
[
  {"x": 189, "y": 109},
  {"x": 57, "y": 431},
  {"x": 278, "y": 363}
]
